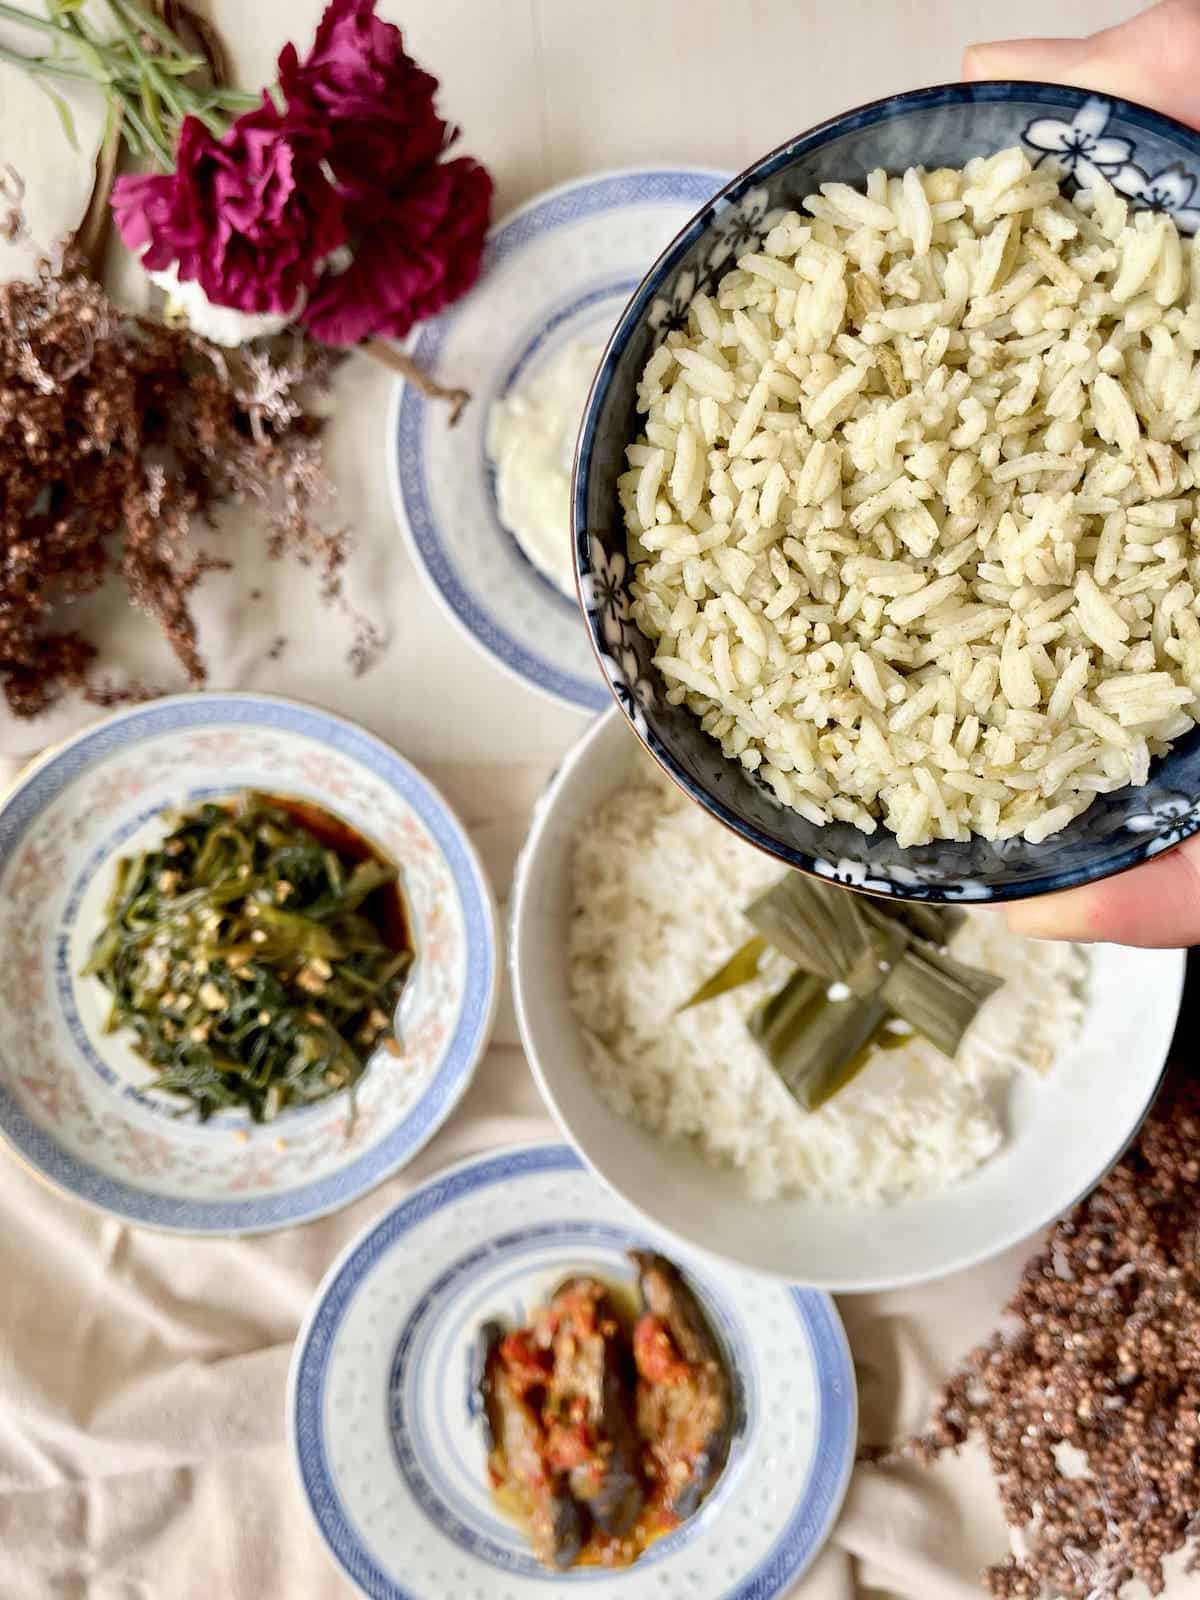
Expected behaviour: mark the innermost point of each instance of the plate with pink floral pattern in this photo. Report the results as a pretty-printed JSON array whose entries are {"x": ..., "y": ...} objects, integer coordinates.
[{"x": 78, "y": 1105}]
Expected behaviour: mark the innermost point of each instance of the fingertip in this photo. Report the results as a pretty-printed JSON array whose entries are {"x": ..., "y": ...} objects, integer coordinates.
[
  {"x": 1156, "y": 904},
  {"x": 996, "y": 58},
  {"x": 1051, "y": 60}
]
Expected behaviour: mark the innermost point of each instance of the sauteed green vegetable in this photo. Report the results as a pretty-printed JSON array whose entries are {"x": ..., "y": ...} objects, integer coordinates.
[{"x": 257, "y": 955}]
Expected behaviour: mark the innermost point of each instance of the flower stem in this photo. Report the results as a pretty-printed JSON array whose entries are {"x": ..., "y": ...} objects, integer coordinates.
[
  {"x": 133, "y": 44},
  {"x": 183, "y": 22},
  {"x": 95, "y": 58},
  {"x": 389, "y": 355},
  {"x": 138, "y": 108},
  {"x": 44, "y": 66},
  {"x": 28, "y": 18},
  {"x": 150, "y": 23},
  {"x": 148, "y": 83},
  {"x": 91, "y": 236},
  {"x": 154, "y": 81},
  {"x": 237, "y": 99},
  {"x": 148, "y": 143}
]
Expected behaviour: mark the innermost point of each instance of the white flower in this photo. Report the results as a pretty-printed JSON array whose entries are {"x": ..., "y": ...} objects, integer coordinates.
[
  {"x": 641, "y": 689},
  {"x": 1081, "y": 146},
  {"x": 970, "y": 889},
  {"x": 1171, "y": 809},
  {"x": 187, "y": 302},
  {"x": 854, "y": 873},
  {"x": 670, "y": 311},
  {"x": 1172, "y": 191},
  {"x": 628, "y": 695},
  {"x": 740, "y": 228},
  {"x": 604, "y": 590},
  {"x": 1166, "y": 821}
]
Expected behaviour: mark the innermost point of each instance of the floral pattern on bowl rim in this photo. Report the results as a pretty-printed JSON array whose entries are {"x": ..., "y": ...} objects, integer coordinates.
[
  {"x": 1148, "y": 158},
  {"x": 74, "y": 1102}
]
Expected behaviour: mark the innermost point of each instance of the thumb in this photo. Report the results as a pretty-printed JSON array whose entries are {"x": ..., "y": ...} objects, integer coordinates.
[
  {"x": 1157, "y": 904},
  {"x": 1152, "y": 58},
  {"x": 1028, "y": 60}
]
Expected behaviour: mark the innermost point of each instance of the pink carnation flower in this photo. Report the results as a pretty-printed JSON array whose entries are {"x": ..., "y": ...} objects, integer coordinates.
[
  {"x": 422, "y": 249},
  {"x": 367, "y": 96},
  {"x": 253, "y": 217},
  {"x": 250, "y": 216}
]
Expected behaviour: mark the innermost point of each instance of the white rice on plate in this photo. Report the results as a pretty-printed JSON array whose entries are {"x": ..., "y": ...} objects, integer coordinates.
[
  {"x": 914, "y": 511},
  {"x": 657, "y": 888}
]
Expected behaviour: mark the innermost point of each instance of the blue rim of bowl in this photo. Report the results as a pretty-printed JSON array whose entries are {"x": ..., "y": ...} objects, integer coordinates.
[
  {"x": 50, "y": 777},
  {"x": 864, "y": 116},
  {"x": 545, "y": 212},
  {"x": 812, "y": 1519}
]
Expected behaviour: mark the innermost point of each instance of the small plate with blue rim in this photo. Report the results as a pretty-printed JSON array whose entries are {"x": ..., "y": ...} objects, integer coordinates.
[
  {"x": 384, "y": 1421},
  {"x": 78, "y": 1105},
  {"x": 556, "y": 271}
]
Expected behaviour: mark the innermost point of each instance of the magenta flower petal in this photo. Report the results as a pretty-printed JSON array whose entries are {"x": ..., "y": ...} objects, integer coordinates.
[
  {"x": 251, "y": 216},
  {"x": 373, "y": 102},
  {"x": 144, "y": 211},
  {"x": 420, "y": 254}
]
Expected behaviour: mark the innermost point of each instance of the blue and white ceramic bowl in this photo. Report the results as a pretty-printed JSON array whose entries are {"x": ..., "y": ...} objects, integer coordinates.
[
  {"x": 1149, "y": 158},
  {"x": 385, "y": 1427},
  {"x": 556, "y": 271},
  {"x": 76, "y": 1101}
]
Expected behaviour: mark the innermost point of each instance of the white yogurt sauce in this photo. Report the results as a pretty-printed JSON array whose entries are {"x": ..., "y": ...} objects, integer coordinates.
[{"x": 531, "y": 439}]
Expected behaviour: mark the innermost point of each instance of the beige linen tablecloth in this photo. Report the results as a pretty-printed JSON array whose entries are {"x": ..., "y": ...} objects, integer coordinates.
[{"x": 142, "y": 1452}]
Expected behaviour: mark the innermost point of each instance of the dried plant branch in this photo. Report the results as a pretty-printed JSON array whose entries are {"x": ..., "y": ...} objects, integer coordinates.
[
  {"x": 389, "y": 355},
  {"x": 90, "y": 240},
  {"x": 1091, "y": 1412},
  {"x": 115, "y": 434}
]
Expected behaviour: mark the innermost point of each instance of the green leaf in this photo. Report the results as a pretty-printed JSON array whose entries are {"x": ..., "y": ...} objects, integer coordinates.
[
  {"x": 93, "y": 59},
  {"x": 181, "y": 67},
  {"x": 150, "y": 105},
  {"x": 776, "y": 1021},
  {"x": 145, "y": 21},
  {"x": 231, "y": 999},
  {"x": 816, "y": 1044},
  {"x": 938, "y": 995},
  {"x": 27, "y": 19},
  {"x": 64, "y": 113},
  {"x": 741, "y": 967},
  {"x": 813, "y": 923}
]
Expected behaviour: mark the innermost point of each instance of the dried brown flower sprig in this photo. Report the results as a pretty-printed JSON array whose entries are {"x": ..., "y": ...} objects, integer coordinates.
[
  {"x": 1090, "y": 1406},
  {"x": 115, "y": 433}
]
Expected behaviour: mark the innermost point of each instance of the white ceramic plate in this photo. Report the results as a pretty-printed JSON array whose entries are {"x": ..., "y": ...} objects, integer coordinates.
[
  {"x": 384, "y": 1427},
  {"x": 1063, "y": 1132},
  {"x": 557, "y": 270},
  {"x": 75, "y": 1102}
]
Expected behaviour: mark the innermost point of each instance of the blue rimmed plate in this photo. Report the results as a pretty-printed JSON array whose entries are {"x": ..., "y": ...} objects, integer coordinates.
[
  {"x": 76, "y": 1103},
  {"x": 382, "y": 1418},
  {"x": 557, "y": 270}
]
